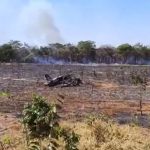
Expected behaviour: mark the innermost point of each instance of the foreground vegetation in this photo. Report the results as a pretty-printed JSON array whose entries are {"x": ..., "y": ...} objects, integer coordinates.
[
  {"x": 42, "y": 130},
  {"x": 100, "y": 136}
]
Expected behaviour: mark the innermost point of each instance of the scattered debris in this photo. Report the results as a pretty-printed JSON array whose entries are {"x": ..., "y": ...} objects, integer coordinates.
[{"x": 64, "y": 80}]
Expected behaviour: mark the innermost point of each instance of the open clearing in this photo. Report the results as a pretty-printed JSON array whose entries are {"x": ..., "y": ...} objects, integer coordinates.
[{"x": 104, "y": 90}]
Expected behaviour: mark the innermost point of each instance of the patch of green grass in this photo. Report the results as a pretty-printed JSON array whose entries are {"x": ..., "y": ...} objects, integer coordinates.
[
  {"x": 6, "y": 140},
  {"x": 4, "y": 94}
]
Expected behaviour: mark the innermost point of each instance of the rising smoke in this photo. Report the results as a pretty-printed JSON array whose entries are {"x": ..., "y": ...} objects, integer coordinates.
[{"x": 31, "y": 21}]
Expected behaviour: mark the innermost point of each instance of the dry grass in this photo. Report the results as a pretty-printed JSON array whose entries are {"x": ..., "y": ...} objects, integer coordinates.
[
  {"x": 110, "y": 136},
  {"x": 100, "y": 135}
]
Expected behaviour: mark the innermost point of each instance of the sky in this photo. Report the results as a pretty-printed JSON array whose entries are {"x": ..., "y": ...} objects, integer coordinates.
[{"x": 41, "y": 22}]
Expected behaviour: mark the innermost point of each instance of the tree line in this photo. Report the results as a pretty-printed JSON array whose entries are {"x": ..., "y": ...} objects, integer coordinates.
[{"x": 83, "y": 52}]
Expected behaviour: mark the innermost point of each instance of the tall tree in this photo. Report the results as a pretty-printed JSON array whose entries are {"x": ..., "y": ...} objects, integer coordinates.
[
  {"x": 87, "y": 50},
  {"x": 126, "y": 51},
  {"x": 7, "y": 53},
  {"x": 106, "y": 54}
]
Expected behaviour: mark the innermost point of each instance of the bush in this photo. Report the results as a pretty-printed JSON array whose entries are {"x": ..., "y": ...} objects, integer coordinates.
[{"x": 41, "y": 121}]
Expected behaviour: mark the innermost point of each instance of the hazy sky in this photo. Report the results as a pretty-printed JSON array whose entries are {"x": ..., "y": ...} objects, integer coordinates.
[{"x": 104, "y": 21}]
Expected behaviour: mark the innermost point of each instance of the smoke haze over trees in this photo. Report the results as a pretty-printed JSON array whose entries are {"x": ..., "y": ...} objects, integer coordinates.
[
  {"x": 84, "y": 52},
  {"x": 36, "y": 22}
]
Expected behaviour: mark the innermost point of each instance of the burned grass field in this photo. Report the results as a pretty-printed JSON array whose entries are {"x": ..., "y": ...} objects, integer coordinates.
[
  {"x": 105, "y": 89},
  {"x": 106, "y": 92}
]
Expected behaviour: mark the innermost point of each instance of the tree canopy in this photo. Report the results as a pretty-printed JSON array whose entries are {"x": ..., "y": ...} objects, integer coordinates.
[{"x": 83, "y": 52}]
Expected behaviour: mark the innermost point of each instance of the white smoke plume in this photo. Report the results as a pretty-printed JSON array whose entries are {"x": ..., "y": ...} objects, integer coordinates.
[{"x": 31, "y": 21}]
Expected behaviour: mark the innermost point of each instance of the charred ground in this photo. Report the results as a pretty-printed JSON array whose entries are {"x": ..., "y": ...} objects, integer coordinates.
[{"x": 106, "y": 89}]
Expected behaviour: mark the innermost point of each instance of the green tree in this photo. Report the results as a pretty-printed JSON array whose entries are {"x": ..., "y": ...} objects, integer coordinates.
[
  {"x": 73, "y": 52},
  {"x": 142, "y": 52},
  {"x": 7, "y": 53},
  {"x": 15, "y": 44},
  {"x": 106, "y": 54},
  {"x": 126, "y": 51},
  {"x": 87, "y": 50}
]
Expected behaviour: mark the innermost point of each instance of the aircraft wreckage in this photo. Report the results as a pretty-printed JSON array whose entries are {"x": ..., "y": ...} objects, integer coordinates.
[{"x": 64, "y": 81}]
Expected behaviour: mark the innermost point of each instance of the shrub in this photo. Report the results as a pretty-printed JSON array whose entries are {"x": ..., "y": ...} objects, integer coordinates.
[{"x": 41, "y": 121}]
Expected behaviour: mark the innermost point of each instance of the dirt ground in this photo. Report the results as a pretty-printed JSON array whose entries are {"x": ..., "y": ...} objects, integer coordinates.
[
  {"x": 75, "y": 106},
  {"x": 95, "y": 96}
]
